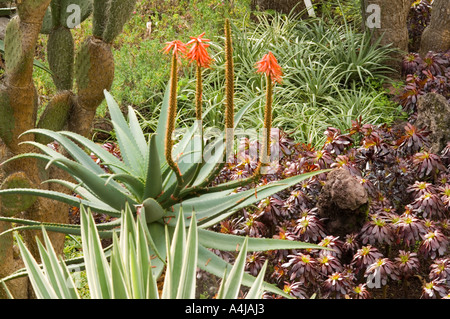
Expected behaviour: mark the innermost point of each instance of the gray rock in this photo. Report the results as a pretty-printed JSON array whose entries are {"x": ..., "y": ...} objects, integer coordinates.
[
  {"x": 343, "y": 203},
  {"x": 433, "y": 114}
]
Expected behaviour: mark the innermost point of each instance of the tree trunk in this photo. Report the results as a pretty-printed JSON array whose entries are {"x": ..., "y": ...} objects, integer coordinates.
[
  {"x": 386, "y": 19},
  {"x": 436, "y": 37}
]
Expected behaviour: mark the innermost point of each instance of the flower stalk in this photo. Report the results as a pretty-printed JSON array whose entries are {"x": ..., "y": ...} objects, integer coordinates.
[
  {"x": 198, "y": 94},
  {"x": 229, "y": 90},
  {"x": 178, "y": 48},
  {"x": 269, "y": 66}
]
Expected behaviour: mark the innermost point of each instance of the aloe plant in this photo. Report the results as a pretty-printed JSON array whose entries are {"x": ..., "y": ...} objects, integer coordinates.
[
  {"x": 165, "y": 182},
  {"x": 145, "y": 183},
  {"x": 125, "y": 271}
]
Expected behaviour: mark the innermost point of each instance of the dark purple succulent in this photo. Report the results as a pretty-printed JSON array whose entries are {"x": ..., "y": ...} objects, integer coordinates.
[
  {"x": 379, "y": 272},
  {"x": 411, "y": 92},
  {"x": 334, "y": 244},
  {"x": 427, "y": 164},
  {"x": 409, "y": 228},
  {"x": 337, "y": 284},
  {"x": 418, "y": 19},
  {"x": 230, "y": 226},
  {"x": 411, "y": 63},
  {"x": 297, "y": 200},
  {"x": 351, "y": 243},
  {"x": 440, "y": 270},
  {"x": 420, "y": 188},
  {"x": 377, "y": 230},
  {"x": 407, "y": 263},
  {"x": 278, "y": 273},
  {"x": 321, "y": 159},
  {"x": 309, "y": 228},
  {"x": 253, "y": 227},
  {"x": 270, "y": 209},
  {"x": 433, "y": 63},
  {"x": 413, "y": 140},
  {"x": 296, "y": 289},
  {"x": 429, "y": 205},
  {"x": 434, "y": 244},
  {"x": 434, "y": 289},
  {"x": 336, "y": 142},
  {"x": 444, "y": 192},
  {"x": 365, "y": 256},
  {"x": 343, "y": 161},
  {"x": 254, "y": 262},
  {"x": 328, "y": 264},
  {"x": 302, "y": 267},
  {"x": 360, "y": 292}
]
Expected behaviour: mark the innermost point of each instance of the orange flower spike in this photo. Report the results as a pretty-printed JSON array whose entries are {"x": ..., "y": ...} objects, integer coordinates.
[
  {"x": 269, "y": 65},
  {"x": 198, "y": 51},
  {"x": 178, "y": 48}
]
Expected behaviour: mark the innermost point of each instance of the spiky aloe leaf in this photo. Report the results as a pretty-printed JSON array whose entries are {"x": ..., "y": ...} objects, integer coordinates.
[
  {"x": 228, "y": 242},
  {"x": 72, "y": 148},
  {"x": 189, "y": 264},
  {"x": 113, "y": 163},
  {"x": 56, "y": 270},
  {"x": 153, "y": 181},
  {"x": 152, "y": 210},
  {"x": 215, "y": 265},
  {"x": 43, "y": 287},
  {"x": 97, "y": 268},
  {"x": 213, "y": 207},
  {"x": 132, "y": 151},
  {"x": 256, "y": 290},
  {"x": 233, "y": 283},
  {"x": 105, "y": 192},
  {"x": 105, "y": 230}
]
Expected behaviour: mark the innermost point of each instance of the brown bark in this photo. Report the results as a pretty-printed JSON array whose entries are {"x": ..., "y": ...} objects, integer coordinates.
[
  {"x": 392, "y": 28},
  {"x": 19, "y": 96},
  {"x": 436, "y": 37}
]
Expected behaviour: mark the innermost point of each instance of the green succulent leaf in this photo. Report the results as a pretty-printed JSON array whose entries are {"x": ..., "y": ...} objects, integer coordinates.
[
  {"x": 228, "y": 242},
  {"x": 153, "y": 181}
]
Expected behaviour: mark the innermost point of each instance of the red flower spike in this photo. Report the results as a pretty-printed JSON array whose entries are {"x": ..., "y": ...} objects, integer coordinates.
[
  {"x": 176, "y": 46},
  {"x": 269, "y": 65},
  {"x": 198, "y": 51}
]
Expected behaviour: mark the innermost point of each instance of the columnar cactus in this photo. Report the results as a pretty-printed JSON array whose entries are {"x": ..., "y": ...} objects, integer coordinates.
[{"x": 80, "y": 76}]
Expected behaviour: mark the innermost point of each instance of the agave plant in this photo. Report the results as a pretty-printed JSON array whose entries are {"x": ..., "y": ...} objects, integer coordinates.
[
  {"x": 165, "y": 182},
  {"x": 125, "y": 271}
]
